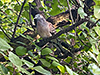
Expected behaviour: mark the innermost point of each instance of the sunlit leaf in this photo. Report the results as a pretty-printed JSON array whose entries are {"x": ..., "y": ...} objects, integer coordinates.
[
  {"x": 61, "y": 68},
  {"x": 92, "y": 55},
  {"x": 54, "y": 63},
  {"x": 42, "y": 70},
  {"x": 4, "y": 45},
  {"x": 81, "y": 3},
  {"x": 30, "y": 1},
  {"x": 81, "y": 12},
  {"x": 15, "y": 59},
  {"x": 29, "y": 64},
  {"x": 68, "y": 59},
  {"x": 70, "y": 71},
  {"x": 94, "y": 68},
  {"x": 97, "y": 2},
  {"x": 98, "y": 59},
  {"x": 52, "y": 58},
  {"x": 94, "y": 49},
  {"x": 63, "y": 2},
  {"x": 24, "y": 71},
  {"x": 7, "y": 1},
  {"x": 97, "y": 12},
  {"x": 97, "y": 30}
]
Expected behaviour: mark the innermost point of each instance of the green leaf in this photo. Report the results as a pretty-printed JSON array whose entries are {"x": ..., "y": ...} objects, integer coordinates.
[
  {"x": 20, "y": 50},
  {"x": 92, "y": 55},
  {"x": 7, "y": 11},
  {"x": 98, "y": 59},
  {"x": 2, "y": 35},
  {"x": 15, "y": 59},
  {"x": 94, "y": 49},
  {"x": 52, "y": 58},
  {"x": 95, "y": 69},
  {"x": 70, "y": 71},
  {"x": 24, "y": 71},
  {"x": 6, "y": 1},
  {"x": 97, "y": 12},
  {"x": 54, "y": 63},
  {"x": 30, "y": 1},
  {"x": 97, "y": 30},
  {"x": 52, "y": 12},
  {"x": 55, "y": 8},
  {"x": 83, "y": 26},
  {"x": 81, "y": 3},
  {"x": 42, "y": 70},
  {"x": 63, "y": 2},
  {"x": 22, "y": 35},
  {"x": 81, "y": 12},
  {"x": 5, "y": 70},
  {"x": 46, "y": 51},
  {"x": 19, "y": 42},
  {"x": 1, "y": 3},
  {"x": 31, "y": 54},
  {"x": 4, "y": 45},
  {"x": 25, "y": 14},
  {"x": 29, "y": 64},
  {"x": 5, "y": 56},
  {"x": 92, "y": 41},
  {"x": 41, "y": 8},
  {"x": 17, "y": 7},
  {"x": 61, "y": 68},
  {"x": 68, "y": 59},
  {"x": 97, "y": 2},
  {"x": 45, "y": 63}
]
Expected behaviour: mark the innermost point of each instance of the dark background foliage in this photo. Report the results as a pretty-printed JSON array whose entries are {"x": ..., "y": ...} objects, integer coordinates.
[{"x": 73, "y": 50}]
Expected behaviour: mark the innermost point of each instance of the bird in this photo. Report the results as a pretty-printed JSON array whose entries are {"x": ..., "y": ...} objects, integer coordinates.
[{"x": 44, "y": 28}]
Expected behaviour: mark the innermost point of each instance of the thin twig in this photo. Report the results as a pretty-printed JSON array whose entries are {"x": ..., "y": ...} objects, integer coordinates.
[
  {"x": 70, "y": 12},
  {"x": 82, "y": 41},
  {"x": 18, "y": 2},
  {"x": 18, "y": 19},
  {"x": 3, "y": 12},
  {"x": 94, "y": 23},
  {"x": 4, "y": 32},
  {"x": 30, "y": 16}
]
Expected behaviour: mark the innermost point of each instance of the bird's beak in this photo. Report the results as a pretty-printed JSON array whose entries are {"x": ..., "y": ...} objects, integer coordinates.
[{"x": 35, "y": 17}]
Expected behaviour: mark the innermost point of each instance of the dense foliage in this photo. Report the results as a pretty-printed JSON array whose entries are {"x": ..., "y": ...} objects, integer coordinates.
[{"x": 77, "y": 52}]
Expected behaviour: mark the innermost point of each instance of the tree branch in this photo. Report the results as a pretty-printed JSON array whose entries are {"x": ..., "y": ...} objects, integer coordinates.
[
  {"x": 43, "y": 42},
  {"x": 94, "y": 24},
  {"x": 3, "y": 12},
  {"x": 4, "y": 32},
  {"x": 70, "y": 12},
  {"x": 18, "y": 19}
]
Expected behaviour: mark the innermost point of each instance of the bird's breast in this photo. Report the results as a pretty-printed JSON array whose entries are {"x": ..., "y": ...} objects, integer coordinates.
[{"x": 43, "y": 30}]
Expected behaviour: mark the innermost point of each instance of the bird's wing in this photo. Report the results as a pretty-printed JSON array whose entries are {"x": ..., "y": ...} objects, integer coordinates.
[{"x": 52, "y": 29}]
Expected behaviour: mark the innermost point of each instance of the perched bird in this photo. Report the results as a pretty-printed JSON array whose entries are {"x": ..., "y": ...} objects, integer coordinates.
[{"x": 44, "y": 28}]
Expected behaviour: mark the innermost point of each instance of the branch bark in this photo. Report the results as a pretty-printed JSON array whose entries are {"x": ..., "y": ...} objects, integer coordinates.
[
  {"x": 18, "y": 19},
  {"x": 43, "y": 42}
]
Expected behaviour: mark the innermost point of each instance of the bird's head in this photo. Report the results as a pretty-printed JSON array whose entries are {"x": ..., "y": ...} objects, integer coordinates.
[{"x": 39, "y": 18}]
